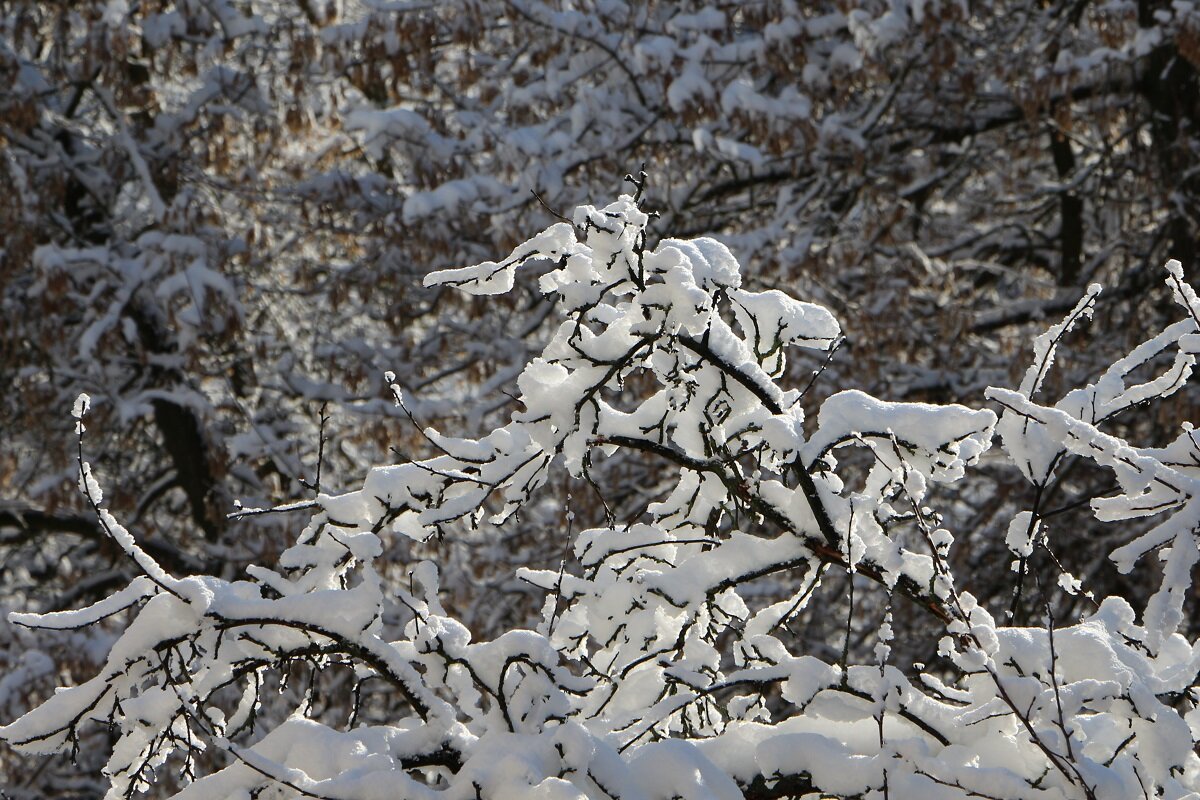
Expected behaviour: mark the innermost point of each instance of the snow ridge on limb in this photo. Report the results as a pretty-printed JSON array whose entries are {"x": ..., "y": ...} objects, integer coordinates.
[
  {"x": 491, "y": 277},
  {"x": 663, "y": 664}
]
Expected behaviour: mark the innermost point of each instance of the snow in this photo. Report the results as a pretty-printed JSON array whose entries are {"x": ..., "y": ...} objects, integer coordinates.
[
  {"x": 663, "y": 666},
  {"x": 1022, "y": 534},
  {"x": 497, "y": 278},
  {"x": 946, "y": 438},
  {"x": 83, "y": 404},
  {"x": 137, "y": 590}
]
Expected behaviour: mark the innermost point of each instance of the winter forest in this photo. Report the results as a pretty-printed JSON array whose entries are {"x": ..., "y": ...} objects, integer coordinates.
[{"x": 599, "y": 400}]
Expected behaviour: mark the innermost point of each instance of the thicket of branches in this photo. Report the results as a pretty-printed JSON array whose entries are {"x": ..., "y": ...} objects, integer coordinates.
[
  {"x": 219, "y": 216},
  {"x": 665, "y": 662}
]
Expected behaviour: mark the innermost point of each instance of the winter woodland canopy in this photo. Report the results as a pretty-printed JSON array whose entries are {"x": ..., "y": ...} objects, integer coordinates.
[{"x": 847, "y": 452}]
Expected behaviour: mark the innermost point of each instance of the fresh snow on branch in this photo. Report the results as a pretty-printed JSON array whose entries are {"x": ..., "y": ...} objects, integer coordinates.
[{"x": 663, "y": 665}]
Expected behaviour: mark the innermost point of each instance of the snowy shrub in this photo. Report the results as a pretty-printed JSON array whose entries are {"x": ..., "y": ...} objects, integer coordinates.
[{"x": 663, "y": 665}]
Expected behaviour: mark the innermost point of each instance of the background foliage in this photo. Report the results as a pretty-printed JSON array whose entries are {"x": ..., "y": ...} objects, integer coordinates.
[{"x": 218, "y": 216}]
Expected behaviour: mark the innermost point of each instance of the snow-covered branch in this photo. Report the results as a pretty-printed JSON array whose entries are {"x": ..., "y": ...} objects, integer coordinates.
[{"x": 664, "y": 663}]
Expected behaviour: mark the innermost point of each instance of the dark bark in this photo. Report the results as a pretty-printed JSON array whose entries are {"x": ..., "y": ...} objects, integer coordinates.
[
  {"x": 787, "y": 786},
  {"x": 1070, "y": 211},
  {"x": 1171, "y": 86},
  {"x": 181, "y": 430},
  {"x": 30, "y": 522}
]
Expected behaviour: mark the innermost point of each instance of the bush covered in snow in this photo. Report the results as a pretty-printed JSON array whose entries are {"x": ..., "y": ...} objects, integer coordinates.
[{"x": 664, "y": 665}]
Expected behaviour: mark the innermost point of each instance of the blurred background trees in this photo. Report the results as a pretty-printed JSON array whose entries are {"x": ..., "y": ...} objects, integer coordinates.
[{"x": 217, "y": 215}]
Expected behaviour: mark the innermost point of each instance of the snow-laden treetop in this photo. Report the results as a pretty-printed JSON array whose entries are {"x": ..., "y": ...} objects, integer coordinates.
[{"x": 663, "y": 665}]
